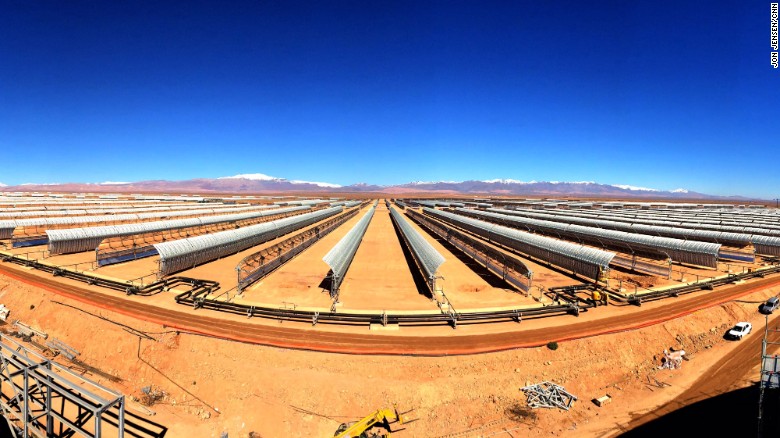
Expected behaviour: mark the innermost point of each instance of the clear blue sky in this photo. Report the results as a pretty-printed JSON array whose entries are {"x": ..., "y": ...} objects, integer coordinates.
[{"x": 647, "y": 93}]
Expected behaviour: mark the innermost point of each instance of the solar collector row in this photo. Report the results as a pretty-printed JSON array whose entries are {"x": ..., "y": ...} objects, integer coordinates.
[
  {"x": 425, "y": 255},
  {"x": 751, "y": 231},
  {"x": 738, "y": 213},
  {"x": 51, "y": 202},
  {"x": 168, "y": 198},
  {"x": 304, "y": 202},
  {"x": 347, "y": 204},
  {"x": 750, "y": 216},
  {"x": 765, "y": 245},
  {"x": 762, "y": 228},
  {"x": 437, "y": 203},
  {"x": 425, "y": 203},
  {"x": 86, "y": 239},
  {"x": 509, "y": 269},
  {"x": 736, "y": 239},
  {"x": 753, "y": 228},
  {"x": 96, "y": 211},
  {"x": 340, "y": 257},
  {"x": 734, "y": 222},
  {"x": 583, "y": 260},
  {"x": 93, "y": 207},
  {"x": 186, "y": 253},
  {"x": 7, "y": 227},
  {"x": 683, "y": 251}
]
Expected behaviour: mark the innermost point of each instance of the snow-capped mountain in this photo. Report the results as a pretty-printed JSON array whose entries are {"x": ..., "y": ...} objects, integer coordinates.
[
  {"x": 253, "y": 177},
  {"x": 320, "y": 184},
  {"x": 635, "y": 188},
  {"x": 507, "y": 181},
  {"x": 264, "y": 177},
  {"x": 421, "y": 183}
]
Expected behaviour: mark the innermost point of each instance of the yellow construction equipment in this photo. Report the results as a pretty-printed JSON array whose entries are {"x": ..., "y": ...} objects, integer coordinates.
[{"x": 361, "y": 429}]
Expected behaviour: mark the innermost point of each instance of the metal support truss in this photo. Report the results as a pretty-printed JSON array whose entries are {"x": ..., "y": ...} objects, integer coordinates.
[{"x": 40, "y": 398}]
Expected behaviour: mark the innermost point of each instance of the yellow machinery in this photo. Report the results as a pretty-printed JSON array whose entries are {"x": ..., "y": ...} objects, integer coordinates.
[{"x": 360, "y": 429}]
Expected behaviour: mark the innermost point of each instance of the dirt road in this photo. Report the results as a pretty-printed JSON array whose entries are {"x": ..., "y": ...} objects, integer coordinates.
[
  {"x": 725, "y": 376},
  {"x": 357, "y": 343}
]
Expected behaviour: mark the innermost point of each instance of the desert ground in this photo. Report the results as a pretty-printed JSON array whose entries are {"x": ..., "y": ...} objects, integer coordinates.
[{"x": 214, "y": 385}]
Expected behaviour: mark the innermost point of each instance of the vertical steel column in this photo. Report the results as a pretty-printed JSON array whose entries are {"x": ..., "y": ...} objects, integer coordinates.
[
  {"x": 122, "y": 416},
  {"x": 49, "y": 418},
  {"x": 97, "y": 415},
  {"x": 25, "y": 408}
]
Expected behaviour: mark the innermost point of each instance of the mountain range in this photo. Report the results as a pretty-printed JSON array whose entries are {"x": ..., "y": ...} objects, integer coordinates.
[{"x": 261, "y": 183}]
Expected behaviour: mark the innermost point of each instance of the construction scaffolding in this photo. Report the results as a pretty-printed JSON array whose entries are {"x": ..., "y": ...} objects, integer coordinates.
[{"x": 40, "y": 398}]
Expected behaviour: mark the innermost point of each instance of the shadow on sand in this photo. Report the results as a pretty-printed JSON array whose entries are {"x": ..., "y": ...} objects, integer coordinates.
[{"x": 733, "y": 414}]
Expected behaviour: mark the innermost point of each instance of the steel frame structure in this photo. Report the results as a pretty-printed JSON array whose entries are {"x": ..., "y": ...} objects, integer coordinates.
[
  {"x": 770, "y": 371},
  {"x": 39, "y": 397}
]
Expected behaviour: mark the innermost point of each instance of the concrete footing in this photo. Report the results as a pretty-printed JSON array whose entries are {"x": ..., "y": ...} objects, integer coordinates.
[{"x": 384, "y": 328}]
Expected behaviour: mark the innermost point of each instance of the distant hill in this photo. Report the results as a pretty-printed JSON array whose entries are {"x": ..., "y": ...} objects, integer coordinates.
[
  {"x": 587, "y": 189},
  {"x": 260, "y": 183}
]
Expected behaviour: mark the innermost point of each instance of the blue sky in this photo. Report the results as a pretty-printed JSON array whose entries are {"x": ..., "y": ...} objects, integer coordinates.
[{"x": 648, "y": 93}]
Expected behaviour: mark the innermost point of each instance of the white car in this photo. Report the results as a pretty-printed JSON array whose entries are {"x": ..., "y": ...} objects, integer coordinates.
[
  {"x": 739, "y": 330},
  {"x": 770, "y": 306}
]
